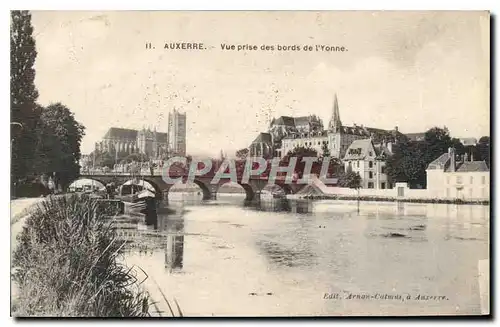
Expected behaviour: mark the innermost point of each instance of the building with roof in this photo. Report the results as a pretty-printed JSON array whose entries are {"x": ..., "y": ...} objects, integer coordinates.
[
  {"x": 262, "y": 146},
  {"x": 368, "y": 160},
  {"x": 145, "y": 141},
  {"x": 452, "y": 177},
  {"x": 308, "y": 131}
]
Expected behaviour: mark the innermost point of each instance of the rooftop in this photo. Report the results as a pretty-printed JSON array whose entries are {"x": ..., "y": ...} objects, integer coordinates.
[
  {"x": 440, "y": 162},
  {"x": 470, "y": 166},
  {"x": 461, "y": 166},
  {"x": 131, "y": 134},
  {"x": 263, "y": 138},
  {"x": 358, "y": 149}
]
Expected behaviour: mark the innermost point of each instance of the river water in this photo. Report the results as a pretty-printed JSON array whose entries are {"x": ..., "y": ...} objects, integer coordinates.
[{"x": 284, "y": 257}]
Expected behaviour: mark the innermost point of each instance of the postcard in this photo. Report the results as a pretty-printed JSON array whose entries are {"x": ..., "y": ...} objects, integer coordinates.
[{"x": 250, "y": 163}]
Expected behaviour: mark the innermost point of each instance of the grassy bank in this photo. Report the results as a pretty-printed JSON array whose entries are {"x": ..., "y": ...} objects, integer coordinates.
[
  {"x": 390, "y": 199},
  {"x": 66, "y": 264}
]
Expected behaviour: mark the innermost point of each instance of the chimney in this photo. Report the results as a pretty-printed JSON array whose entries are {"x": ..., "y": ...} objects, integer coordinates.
[{"x": 451, "y": 153}]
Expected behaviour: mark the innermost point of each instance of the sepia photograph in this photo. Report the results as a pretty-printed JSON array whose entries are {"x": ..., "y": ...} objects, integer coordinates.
[{"x": 168, "y": 164}]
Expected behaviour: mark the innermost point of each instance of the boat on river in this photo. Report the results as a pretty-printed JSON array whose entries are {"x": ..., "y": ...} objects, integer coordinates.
[{"x": 139, "y": 200}]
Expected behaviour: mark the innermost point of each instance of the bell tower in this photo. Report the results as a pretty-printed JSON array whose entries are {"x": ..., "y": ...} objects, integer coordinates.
[{"x": 335, "y": 123}]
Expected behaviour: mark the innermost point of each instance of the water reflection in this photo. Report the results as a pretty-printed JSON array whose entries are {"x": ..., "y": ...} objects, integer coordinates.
[
  {"x": 222, "y": 257},
  {"x": 282, "y": 205},
  {"x": 173, "y": 226}
]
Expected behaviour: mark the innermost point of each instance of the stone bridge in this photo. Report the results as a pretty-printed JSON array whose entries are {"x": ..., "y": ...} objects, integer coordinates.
[
  {"x": 253, "y": 185},
  {"x": 252, "y": 188}
]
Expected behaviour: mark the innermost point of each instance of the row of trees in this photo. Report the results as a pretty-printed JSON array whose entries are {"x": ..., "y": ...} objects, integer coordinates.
[
  {"x": 45, "y": 141},
  {"x": 411, "y": 158}
]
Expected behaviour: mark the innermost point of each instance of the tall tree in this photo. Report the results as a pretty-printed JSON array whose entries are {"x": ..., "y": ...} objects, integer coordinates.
[
  {"x": 58, "y": 144},
  {"x": 437, "y": 141},
  {"x": 325, "y": 151},
  {"x": 23, "y": 95},
  {"x": 408, "y": 163},
  {"x": 483, "y": 149}
]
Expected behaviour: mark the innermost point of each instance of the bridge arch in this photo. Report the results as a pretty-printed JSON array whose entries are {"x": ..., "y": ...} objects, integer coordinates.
[
  {"x": 208, "y": 193},
  {"x": 86, "y": 178},
  {"x": 276, "y": 188},
  {"x": 249, "y": 191},
  {"x": 158, "y": 190}
]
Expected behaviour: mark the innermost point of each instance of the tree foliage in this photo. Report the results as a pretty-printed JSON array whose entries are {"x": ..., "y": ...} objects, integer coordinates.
[
  {"x": 299, "y": 152},
  {"x": 23, "y": 94},
  {"x": 411, "y": 158},
  {"x": 483, "y": 149},
  {"x": 408, "y": 163},
  {"x": 242, "y": 153},
  {"x": 58, "y": 144},
  {"x": 325, "y": 152},
  {"x": 350, "y": 179},
  {"x": 104, "y": 159}
]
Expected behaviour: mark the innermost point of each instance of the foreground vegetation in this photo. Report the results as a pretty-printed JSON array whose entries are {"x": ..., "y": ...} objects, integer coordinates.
[{"x": 66, "y": 264}]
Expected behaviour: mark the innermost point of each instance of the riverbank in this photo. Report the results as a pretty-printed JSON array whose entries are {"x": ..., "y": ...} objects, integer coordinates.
[
  {"x": 20, "y": 208},
  {"x": 57, "y": 268},
  {"x": 384, "y": 199}
]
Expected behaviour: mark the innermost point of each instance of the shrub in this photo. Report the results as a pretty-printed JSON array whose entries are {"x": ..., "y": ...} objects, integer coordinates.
[{"x": 66, "y": 264}]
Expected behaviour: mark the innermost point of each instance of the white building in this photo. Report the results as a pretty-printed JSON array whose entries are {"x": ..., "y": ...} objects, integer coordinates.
[
  {"x": 368, "y": 160},
  {"x": 337, "y": 137},
  {"x": 458, "y": 178}
]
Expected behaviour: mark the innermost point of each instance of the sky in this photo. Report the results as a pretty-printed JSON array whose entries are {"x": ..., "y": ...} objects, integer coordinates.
[{"x": 413, "y": 70}]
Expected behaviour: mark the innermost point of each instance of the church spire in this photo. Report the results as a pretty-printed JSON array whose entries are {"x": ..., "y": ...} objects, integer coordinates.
[{"x": 335, "y": 122}]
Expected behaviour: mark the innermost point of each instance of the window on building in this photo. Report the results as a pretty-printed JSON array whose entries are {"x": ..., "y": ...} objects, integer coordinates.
[
  {"x": 382, "y": 185},
  {"x": 382, "y": 169},
  {"x": 370, "y": 164},
  {"x": 471, "y": 180},
  {"x": 447, "y": 192},
  {"x": 483, "y": 180},
  {"x": 370, "y": 174},
  {"x": 470, "y": 192},
  {"x": 459, "y": 179},
  {"x": 370, "y": 185},
  {"x": 447, "y": 179},
  {"x": 370, "y": 153}
]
